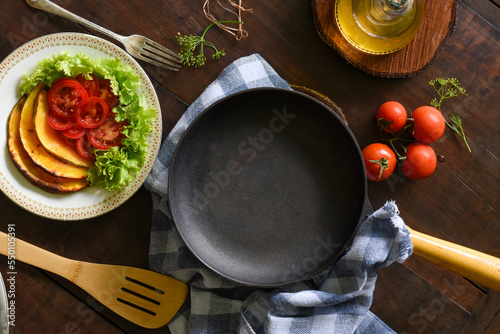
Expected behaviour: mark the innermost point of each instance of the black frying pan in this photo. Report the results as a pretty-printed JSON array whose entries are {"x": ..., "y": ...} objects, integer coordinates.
[{"x": 268, "y": 187}]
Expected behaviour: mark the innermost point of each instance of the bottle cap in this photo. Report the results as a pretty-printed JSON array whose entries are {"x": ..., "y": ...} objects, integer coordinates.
[{"x": 397, "y": 3}]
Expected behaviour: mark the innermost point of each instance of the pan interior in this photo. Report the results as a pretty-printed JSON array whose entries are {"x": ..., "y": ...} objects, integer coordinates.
[{"x": 267, "y": 187}]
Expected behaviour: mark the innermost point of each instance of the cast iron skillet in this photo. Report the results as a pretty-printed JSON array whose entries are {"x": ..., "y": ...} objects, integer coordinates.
[{"x": 268, "y": 187}]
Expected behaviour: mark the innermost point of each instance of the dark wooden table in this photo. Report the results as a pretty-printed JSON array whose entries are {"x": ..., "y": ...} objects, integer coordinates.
[{"x": 459, "y": 202}]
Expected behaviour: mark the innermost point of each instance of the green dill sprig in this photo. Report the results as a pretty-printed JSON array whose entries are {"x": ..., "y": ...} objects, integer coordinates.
[
  {"x": 448, "y": 88},
  {"x": 189, "y": 44}
]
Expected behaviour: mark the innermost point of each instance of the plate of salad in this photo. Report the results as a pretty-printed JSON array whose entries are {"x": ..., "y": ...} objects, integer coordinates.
[{"x": 122, "y": 136}]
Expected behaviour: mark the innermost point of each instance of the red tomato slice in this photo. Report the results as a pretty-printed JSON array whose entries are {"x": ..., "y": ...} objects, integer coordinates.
[
  {"x": 59, "y": 123},
  {"x": 91, "y": 86},
  {"x": 91, "y": 112},
  {"x": 107, "y": 135},
  {"x": 68, "y": 141},
  {"x": 107, "y": 94},
  {"x": 75, "y": 132},
  {"x": 62, "y": 79},
  {"x": 64, "y": 97},
  {"x": 85, "y": 148}
]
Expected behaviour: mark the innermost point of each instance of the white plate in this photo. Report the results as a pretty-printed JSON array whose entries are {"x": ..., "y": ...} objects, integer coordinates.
[{"x": 91, "y": 201}]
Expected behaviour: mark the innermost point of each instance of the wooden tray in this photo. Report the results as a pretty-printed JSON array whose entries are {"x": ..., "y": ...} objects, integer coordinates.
[{"x": 437, "y": 25}]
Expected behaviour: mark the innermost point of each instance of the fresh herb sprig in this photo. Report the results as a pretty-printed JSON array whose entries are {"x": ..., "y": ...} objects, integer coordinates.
[
  {"x": 448, "y": 88},
  {"x": 189, "y": 44}
]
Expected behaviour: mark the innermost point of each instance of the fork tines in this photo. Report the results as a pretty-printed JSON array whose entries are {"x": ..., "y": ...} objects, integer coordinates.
[{"x": 159, "y": 55}]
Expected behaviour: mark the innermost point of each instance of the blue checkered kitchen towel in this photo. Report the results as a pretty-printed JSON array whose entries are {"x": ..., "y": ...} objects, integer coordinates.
[{"x": 335, "y": 301}]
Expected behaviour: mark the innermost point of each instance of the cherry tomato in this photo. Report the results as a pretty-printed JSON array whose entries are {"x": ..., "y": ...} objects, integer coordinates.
[
  {"x": 90, "y": 85},
  {"x": 428, "y": 124},
  {"x": 64, "y": 97},
  {"x": 420, "y": 161},
  {"x": 91, "y": 112},
  {"x": 107, "y": 135},
  {"x": 380, "y": 161},
  {"x": 391, "y": 116},
  {"x": 59, "y": 123},
  {"x": 75, "y": 132},
  {"x": 85, "y": 148},
  {"x": 107, "y": 94}
]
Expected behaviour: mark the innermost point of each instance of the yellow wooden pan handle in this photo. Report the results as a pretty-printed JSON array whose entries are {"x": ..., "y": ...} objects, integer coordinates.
[{"x": 480, "y": 268}]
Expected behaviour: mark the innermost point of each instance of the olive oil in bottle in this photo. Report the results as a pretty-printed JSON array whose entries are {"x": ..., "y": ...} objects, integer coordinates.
[{"x": 378, "y": 26}]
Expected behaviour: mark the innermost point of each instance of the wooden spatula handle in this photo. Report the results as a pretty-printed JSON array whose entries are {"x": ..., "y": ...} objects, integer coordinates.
[
  {"x": 479, "y": 267},
  {"x": 144, "y": 297},
  {"x": 36, "y": 256}
]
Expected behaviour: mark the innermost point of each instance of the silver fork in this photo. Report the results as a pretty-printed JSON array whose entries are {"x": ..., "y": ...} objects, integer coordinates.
[{"x": 137, "y": 46}]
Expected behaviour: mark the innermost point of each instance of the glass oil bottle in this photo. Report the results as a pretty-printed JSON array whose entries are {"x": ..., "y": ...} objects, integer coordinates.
[{"x": 378, "y": 26}]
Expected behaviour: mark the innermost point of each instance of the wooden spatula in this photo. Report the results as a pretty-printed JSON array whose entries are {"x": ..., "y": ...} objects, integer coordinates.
[{"x": 146, "y": 298}]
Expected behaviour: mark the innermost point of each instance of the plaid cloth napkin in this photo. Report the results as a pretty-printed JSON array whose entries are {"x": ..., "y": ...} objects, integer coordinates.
[{"x": 334, "y": 301}]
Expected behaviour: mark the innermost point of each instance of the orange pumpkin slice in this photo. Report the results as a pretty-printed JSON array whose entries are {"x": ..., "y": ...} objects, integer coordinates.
[
  {"x": 50, "y": 138},
  {"x": 23, "y": 162}
]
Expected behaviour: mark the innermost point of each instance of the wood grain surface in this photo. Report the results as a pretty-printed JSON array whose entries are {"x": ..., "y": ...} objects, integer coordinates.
[{"x": 459, "y": 202}]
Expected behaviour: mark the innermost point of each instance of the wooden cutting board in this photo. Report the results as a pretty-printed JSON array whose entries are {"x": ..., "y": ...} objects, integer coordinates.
[{"x": 437, "y": 25}]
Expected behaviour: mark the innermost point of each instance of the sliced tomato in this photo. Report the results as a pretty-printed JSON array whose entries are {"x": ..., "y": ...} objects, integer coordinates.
[
  {"x": 75, "y": 132},
  {"x": 90, "y": 85},
  {"x": 62, "y": 79},
  {"x": 91, "y": 112},
  {"x": 59, "y": 123},
  {"x": 64, "y": 97},
  {"x": 68, "y": 141},
  {"x": 85, "y": 148},
  {"x": 107, "y": 94},
  {"x": 107, "y": 135}
]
